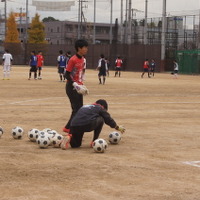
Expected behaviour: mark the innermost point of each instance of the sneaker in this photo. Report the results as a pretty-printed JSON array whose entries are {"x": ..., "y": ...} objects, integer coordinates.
[
  {"x": 65, "y": 142},
  {"x": 66, "y": 130},
  {"x": 29, "y": 78}
]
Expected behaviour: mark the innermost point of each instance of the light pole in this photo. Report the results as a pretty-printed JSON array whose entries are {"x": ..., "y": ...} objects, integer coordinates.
[
  {"x": 111, "y": 13},
  {"x": 5, "y": 12},
  {"x": 26, "y": 35},
  {"x": 163, "y": 34},
  {"x": 94, "y": 25}
]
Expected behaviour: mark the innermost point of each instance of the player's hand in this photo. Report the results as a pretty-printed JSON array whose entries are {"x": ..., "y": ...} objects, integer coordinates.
[
  {"x": 121, "y": 129},
  {"x": 81, "y": 89}
]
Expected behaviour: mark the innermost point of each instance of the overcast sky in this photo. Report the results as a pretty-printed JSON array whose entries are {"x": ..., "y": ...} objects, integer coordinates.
[{"x": 174, "y": 7}]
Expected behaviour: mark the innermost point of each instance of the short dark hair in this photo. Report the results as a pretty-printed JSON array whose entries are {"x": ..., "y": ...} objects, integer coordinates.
[
  {"x": 102, "y": 56},
  {"x": 103, "y": 103},
  {"x": 80, "y": 44},
  {"x": 61, "y": 52}
]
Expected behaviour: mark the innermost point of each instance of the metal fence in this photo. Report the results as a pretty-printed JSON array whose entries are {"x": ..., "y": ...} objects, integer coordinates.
[{"x": 133, "y": 56}]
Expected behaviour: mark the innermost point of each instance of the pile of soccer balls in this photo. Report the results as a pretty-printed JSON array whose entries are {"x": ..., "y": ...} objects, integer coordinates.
[{"x": 47, "y": 137}]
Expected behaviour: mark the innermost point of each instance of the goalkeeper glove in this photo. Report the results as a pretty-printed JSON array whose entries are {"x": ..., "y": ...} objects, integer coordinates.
[
  {"x": 81, "y": 89},
  {"x": 120, "y": 128}
]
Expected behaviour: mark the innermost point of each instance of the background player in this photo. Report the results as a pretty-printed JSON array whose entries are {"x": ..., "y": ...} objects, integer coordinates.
[
  {"x": 146, "y": 68},
  {"x": 103, "y": 68},
  {"x": 33, "y": 65},
  {"x": 7, "y": 63},
  {"x": 118, "y": 66},
  {"x": 61, "y": 65},
  {"x": 40, "y": 63}
]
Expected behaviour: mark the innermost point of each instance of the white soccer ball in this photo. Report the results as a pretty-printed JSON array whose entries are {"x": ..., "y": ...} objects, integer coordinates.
[
  {"x": 114, "y": 137},
  {"x": 43, "y": 141},
  {"x": 1, "y": 131},
  {"x": 99, "y": 145},
  {"x": 56, "y": 140},
  {"x": 17, "y": 132},
  {"x": 46, "y": 129},
  {"x": 32, "y": 134}
]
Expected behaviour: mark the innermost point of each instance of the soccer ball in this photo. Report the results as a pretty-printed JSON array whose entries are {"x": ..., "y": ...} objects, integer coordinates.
[
  {"x": 1, "y": 131},
  {"x": 114, "y": 137},
  {"x": 17, "y": 132},
  {"x": 56, "y": 140},
  {"x": 99, "y": 145},
  {"x": 32, "y": 134},
  {"x": 43, "y": 141},
  {"x": 46, "y": 130}
]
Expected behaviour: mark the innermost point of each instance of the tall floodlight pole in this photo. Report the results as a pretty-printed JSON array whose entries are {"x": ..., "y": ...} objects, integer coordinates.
[
  {"x": 121, "y": 29},
  {"x": 129, "y": 23},
  {"x": 163, "y": 34},
  {"x": 79, "y": 18},
  {"x": 26, "y": 36},
  {"x": 145, "y": 22},
  {"x": 94, "y": 25},
  {"x": 5, "y": 12},
  {"x": 111, "y": 13}
]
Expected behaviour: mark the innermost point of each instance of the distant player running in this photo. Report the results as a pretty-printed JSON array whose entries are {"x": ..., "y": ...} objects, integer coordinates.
[
  {"x": 33, "y": 65},
  {"x": 146, "y": 68}
]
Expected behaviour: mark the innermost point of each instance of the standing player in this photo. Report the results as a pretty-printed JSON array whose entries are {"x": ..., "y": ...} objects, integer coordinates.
[
  {"x": 152, "y": 67},
  {"x": 175, "y": 73},
  {"x": 102, "y": 67},
  {"x": 40, "y": 63},
  {"x": 74, "y": 75},
  {"x": 146, "y": 68},
  {"x": 7, "y": 62},
  {"x": 118, "y": 65},
  {"x": 61, "y": 65},
  {"x": 33, "y": 65},
  {"x": 89, "y": 118}
]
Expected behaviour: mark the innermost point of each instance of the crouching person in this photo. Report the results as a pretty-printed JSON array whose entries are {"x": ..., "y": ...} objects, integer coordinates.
[{"x": 89, "y": 118}]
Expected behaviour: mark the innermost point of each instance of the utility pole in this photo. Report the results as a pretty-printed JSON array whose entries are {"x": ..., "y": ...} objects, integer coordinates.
[
  {"x": 126, "y": 24},
  {"x": 145, "y": 23},
  {"x": 129, "y": 23},
  {"x": 79, "y": 18},
  {"x": 121, "y": 29},
  {"x": 20, "y": 22},
  {"x": 27, "y": 21},
  {"x": 5, "y": 12},
  {"x": 163, "y": 35},
  {"x": 94, "y": 25},
  {"x": 111, "y": 13}
]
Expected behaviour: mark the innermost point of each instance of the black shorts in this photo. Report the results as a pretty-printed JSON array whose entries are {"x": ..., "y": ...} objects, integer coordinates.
[
  {"x": 61, "y": 70},
  {"x": 103, "y": 73},
  {"x": 39, "y": 68},
  {"x": 33, "y": 68},
  {"x": 146, "y": 70},
  {"x": 117, "y": 68}
]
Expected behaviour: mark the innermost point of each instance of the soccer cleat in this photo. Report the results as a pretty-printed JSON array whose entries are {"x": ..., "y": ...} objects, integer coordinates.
[
  {"x": 65, "y": 142},
  {"x": 66, "y": 130}
]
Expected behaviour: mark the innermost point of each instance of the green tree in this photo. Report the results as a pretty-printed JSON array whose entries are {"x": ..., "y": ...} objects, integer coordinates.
[
  {"x": 36, "y": 33},
  {"x": 49, "y": 19},
  {"x": 12, "y": 34}
]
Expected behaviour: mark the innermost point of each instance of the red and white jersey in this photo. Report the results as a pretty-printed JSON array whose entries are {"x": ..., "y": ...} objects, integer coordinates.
[
  {"x": 76, "y": 67},
  {"x": 146, "y": 64},
  {"x": 118, "y": 62},
  {"x": 40, "y": 60}
]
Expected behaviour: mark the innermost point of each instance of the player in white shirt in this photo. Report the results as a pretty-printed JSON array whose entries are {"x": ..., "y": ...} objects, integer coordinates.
[{"x": 7, "y": 62}]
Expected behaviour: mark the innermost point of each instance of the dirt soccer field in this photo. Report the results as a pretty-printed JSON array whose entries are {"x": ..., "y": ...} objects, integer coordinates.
[{"x": 158, "y": 157}]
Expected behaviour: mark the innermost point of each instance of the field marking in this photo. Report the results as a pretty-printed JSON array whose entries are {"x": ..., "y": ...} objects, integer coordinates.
[
  {"x": 25, "y": 102},
  {"x": 192, "y": 163}
]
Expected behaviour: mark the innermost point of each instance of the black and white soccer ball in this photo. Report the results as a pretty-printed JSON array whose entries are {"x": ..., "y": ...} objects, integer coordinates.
[
  {"x": 99, "y": 145},
  {"x": 46, "y": 129},
  {"x": 43, "y": 141},
  {"x": 33, "y": 134},
  {"x": 114, "y": 137},
  {"x": 1, "y": 131},
  {"x": 56, "y": 140},
  {"x": 17, "y": 132}
]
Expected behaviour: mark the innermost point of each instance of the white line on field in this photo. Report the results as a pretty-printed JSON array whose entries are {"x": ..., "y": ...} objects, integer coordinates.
[{"x": 192, "y": 163}]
